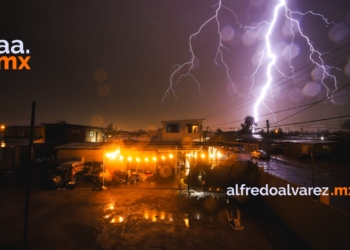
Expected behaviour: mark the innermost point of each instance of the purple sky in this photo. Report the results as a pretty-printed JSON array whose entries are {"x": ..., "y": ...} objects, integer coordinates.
[{"x": 96, "y": 62}]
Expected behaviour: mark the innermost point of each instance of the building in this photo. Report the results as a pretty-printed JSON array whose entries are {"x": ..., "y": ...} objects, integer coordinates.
[
  {"x": 59, "y": 132},
  {"x": 298, "y": 148},
  {"x": 19, "y": 132},
  {"x": 63, "y": 133},
  {"x": 182, "y": 130}
]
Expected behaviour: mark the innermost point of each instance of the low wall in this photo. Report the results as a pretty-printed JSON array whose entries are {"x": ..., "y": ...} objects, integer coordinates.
[{"x": 319, "y": 225}]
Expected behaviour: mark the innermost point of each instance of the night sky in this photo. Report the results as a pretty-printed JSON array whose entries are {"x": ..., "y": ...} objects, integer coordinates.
[{"x": 97, "y": 62}]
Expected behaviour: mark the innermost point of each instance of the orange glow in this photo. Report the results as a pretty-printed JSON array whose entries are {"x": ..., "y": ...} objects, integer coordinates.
[
  {"x": 2, "y": 127},
  {"x": 146, "y": 159},
  {"x": 171, "y": 156},
  {"x": 154, "y": 159},
  {"x": 163, "y": 157},
  {"x": 121, "y": 157},
  {"x": 187, "y": 222},
  {"x": 121, "y": 219},
  {"x": 129, "y": 158},
  {"x": 138, "y": 159},
  {"x": 113, "y": 155},
  {"x": 203, "y": 155}
]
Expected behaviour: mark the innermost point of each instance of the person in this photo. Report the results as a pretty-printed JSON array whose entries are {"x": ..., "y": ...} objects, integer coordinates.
[
  {"x": 96, "y": 179},
  {"x": 69, "y": 177}
]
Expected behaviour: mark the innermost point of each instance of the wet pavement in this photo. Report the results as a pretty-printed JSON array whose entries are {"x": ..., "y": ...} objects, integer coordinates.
[
  {"x": 301, "y": 174},
  {"x": 147, "y": 215}
]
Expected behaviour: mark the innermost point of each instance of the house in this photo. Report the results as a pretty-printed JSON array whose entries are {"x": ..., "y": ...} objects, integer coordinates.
[
  {"x": 63, "y": 133},
  {"x": 297, "y": 148},
  {"x": 58, "y": 132},
  {"x": 182, "y": 130},
  {"x": 19, "y": 132}
]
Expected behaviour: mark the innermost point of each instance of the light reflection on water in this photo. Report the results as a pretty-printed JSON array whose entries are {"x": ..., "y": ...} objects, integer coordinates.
[{"x": 156, "y": 215}]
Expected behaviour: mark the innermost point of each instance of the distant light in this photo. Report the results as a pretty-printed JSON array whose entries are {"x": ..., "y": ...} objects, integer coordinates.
[
  {"x": 121, "y": 157},
  {"x": 146, "y": 159},
  {"x": 171, "y": 156},
  {"x": 154, "y": 159},
  {"x": 129, "y": 158},
  {"x": 322, "y": 138},
  {"x": 202, "y": 155},
  {"x": 163, "y": 157},
  {"x": 137, "y": 159}
]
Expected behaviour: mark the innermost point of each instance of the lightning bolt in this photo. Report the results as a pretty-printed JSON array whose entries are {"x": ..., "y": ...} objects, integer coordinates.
[
  {"x": 272, "y": 57},
  {"x": 219, "y": 54},
  {"x": 186, "y": 69}
]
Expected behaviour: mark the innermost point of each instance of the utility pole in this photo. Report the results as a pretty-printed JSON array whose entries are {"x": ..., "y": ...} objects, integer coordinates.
[
  {"x": 27, "y": 177},
  {"x": 268, "y": 135}
]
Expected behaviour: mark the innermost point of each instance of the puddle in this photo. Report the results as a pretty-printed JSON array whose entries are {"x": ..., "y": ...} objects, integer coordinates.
[{"x": 157, "y": 215}]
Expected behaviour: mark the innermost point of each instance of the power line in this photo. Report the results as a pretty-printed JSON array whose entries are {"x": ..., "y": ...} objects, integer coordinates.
[
  {"x": 228, "y": 111},
  {"x": 215, "y": 114},
  {"x": 324, "y": 119},
  {"x": 309, "y": 105}
]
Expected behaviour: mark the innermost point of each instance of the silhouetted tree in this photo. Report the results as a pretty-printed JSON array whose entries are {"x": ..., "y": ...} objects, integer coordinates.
[
  {"x": 219, "y": 131},
  {"x": 248, "y": 124},
  {"x": 346, "y": 124}
]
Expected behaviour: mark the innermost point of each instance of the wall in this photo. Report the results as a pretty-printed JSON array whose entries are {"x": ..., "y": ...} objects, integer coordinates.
[
  {"x": 318, "y": 224},
  {"x": 13, "y": 132},
  {"x": 93, "y": 138},
  {"x": 90, "y": 155},
  {"x": 182, "y": 135}
]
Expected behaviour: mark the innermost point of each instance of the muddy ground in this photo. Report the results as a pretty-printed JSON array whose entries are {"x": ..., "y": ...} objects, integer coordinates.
[{"x": 135, "y": 216}]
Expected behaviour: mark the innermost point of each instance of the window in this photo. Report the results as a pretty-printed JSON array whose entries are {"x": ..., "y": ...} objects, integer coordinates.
[
  {"x": 91, "y": 133},
  {"x": 192, "y": 128},
  {"x": 173, "y": 128}
]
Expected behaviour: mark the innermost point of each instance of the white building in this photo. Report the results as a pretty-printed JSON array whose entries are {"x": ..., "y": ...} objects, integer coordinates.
[{"x": 182, "y": 130}]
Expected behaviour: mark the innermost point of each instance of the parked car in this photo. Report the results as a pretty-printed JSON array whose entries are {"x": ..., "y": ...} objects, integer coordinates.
[{"x": 260, "y": 154}]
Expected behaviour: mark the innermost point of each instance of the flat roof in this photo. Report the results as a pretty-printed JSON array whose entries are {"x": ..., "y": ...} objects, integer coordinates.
[{"x": 82, "y": 145}]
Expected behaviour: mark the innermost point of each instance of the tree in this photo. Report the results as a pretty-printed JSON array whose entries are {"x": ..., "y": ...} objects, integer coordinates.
[
  {"x": 277, "y": 133},
  {"x": 346, "y": 124},
  {"x": 109, "y": 128},
  {"x": 219, "y": 131},
  {"x": 248, "y": 124}
]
